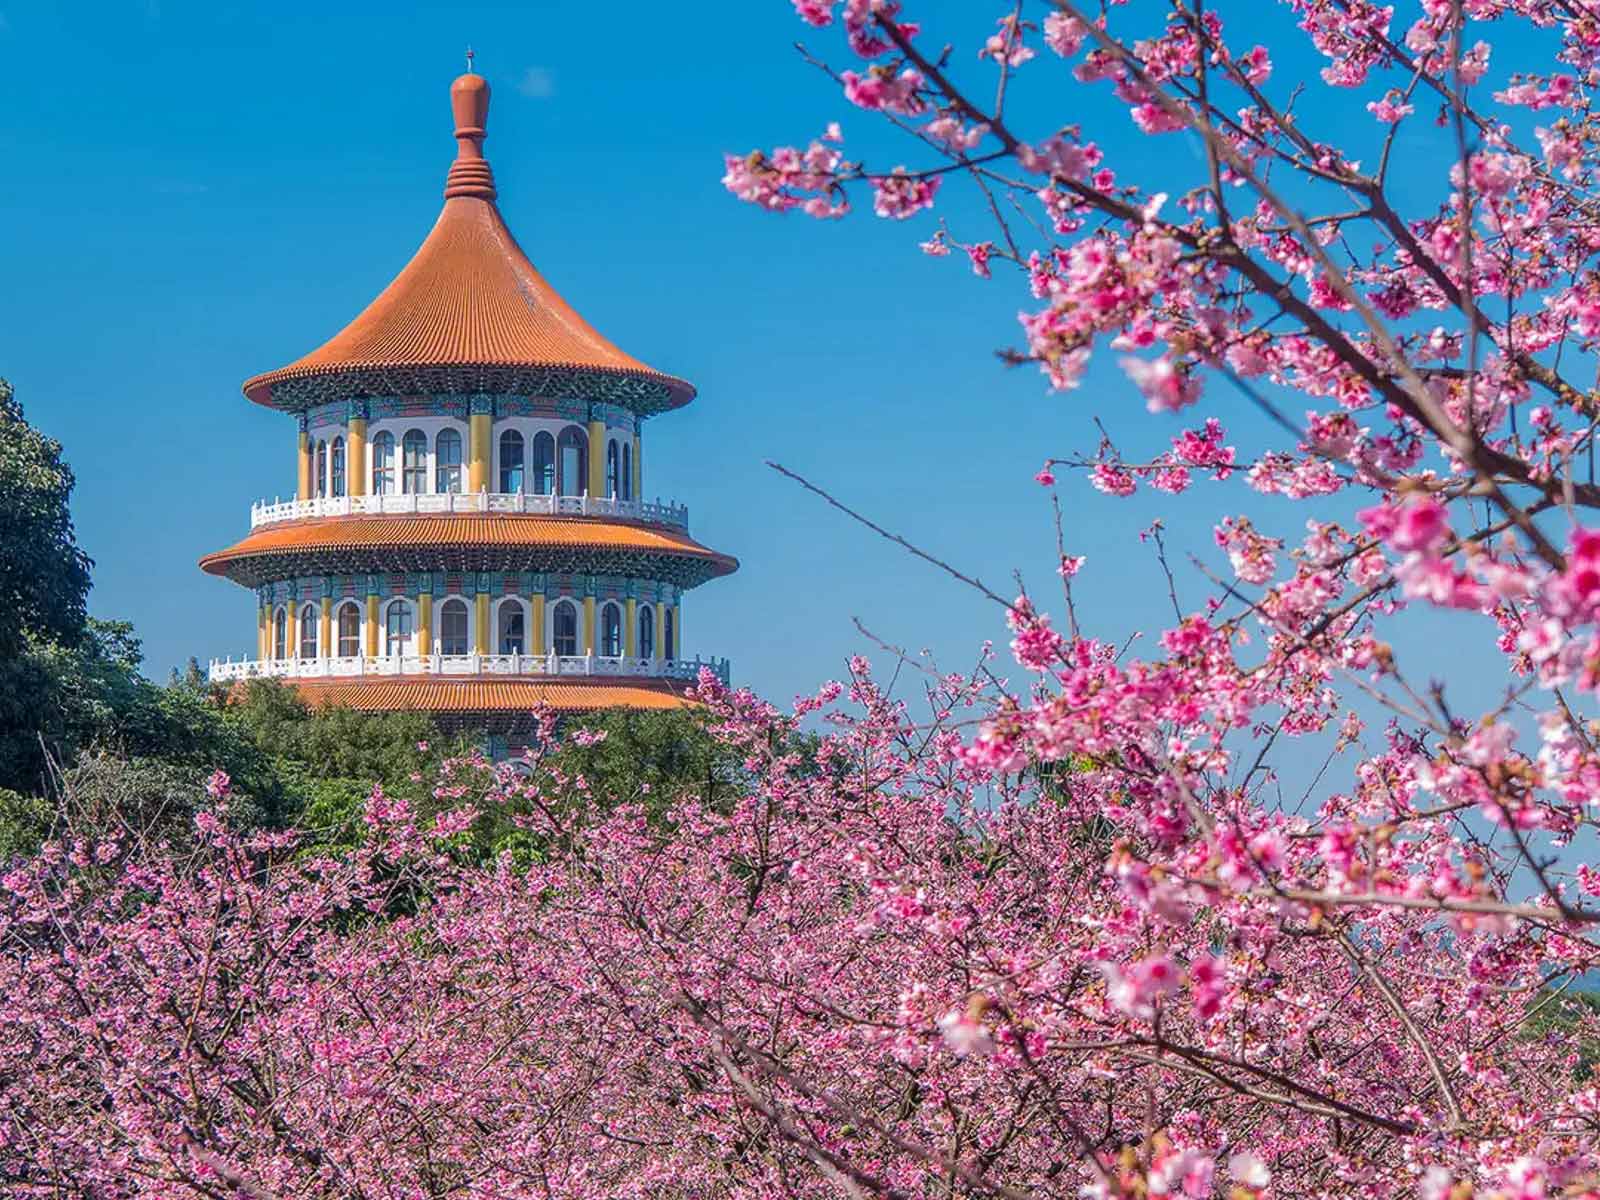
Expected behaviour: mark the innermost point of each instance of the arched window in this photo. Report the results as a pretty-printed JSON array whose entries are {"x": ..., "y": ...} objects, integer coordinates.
[
  {"x": 280, "y": 632},
  {"x": 611, "y": 631},
  {"x": 414, "y": 463},
  {"x": 669, "y": 635},
  {"x": 349, "y": 630},
  {"x": 383, "y": 464},
  {"x": 322, "y": 469},
  {"x": 453, "y": 626},
  {"x": 308, "y": 631},
  {"x": 397, "y": 628},
  {"x": 572, "y": 461},
  {"x": 627, "y": 471},
  {"x": 544, "y": 464},
  {"x": 447, "y": 457},
  {"x": 510, "y": 461},
  {"x": 564, "y": 628},
  {"x": 613, "y": 470},
  {"x": 336, "y": 465},
  {"x": 647, "y": 631},
  {"x": 511, "y": 639}
]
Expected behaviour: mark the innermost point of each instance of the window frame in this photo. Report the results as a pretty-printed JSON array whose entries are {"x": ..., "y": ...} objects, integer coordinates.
[
  {"x": 613, "y": 470},
  {"x": 408, "y": 635},
  {"x": 542, "y": 463},
  {"x": 455, "y": 606},
  {"x": 520, "y": 612},
  {"x": 576, "y": 438},
  {"x": 336, "y": 464},
  {"x": 568, "y": 608},
  {"x": 611, "y": 636},
  {"x": 385, "y": 478},
  {"x": 448, "y": 477},
  {"x": 349, "y": 606},
  {"x": 414, "y": 472},
  {"x": 520, "y": 466}
]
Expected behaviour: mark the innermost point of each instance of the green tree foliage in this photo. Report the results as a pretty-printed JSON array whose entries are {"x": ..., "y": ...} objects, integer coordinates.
[
  {"x": 58, "y": 701},
  {"x": 44, "y": 576},
  {"x": 334, "y": 743},
  {"x": 644, "y": 756}
]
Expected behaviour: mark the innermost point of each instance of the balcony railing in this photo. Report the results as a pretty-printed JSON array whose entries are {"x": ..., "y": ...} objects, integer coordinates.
[
  {"x": 435, "y": 503},
  {"x": 456, "y": 665}
]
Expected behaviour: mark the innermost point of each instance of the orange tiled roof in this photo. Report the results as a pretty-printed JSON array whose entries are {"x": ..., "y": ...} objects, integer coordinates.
[
  {"x": 463, "y": 531},
  {"x": 485, "y": 695},
  {"x": 469, "y": 296}
]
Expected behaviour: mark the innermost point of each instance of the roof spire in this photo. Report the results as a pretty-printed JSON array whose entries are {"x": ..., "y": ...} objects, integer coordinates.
[{"x": 469, "y": 101}]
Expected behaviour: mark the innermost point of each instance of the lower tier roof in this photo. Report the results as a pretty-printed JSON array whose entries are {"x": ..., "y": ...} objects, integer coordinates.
[
  {"x": 468, "y": 542},
  {"x": 498, "y": 702}
]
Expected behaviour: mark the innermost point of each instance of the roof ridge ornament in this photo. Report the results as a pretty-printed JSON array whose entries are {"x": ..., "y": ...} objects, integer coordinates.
[{"x": 469, "y": 102}]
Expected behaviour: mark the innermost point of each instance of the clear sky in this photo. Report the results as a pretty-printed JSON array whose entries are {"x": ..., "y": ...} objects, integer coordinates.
[{"x": 201, "y": 190}]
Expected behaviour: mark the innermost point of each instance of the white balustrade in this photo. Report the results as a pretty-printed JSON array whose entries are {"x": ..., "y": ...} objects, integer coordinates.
[
  {"x": 263, "y": 513},
  {"x": 230, "y": 670}
]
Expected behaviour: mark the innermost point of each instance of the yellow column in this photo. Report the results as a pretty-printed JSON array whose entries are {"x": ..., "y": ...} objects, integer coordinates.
[
  {"x": 304, "y": 486},
  {"x": 597, "y": 458},
  {"x": 325, "y": 642},
  {"x": 481, "y": 641},
  {"x": 536, "y": 633},
  {"x": 372, "y": 624},
  {"x": 261, "y": 631},
  {"x": 355, "y": 457},
  {"x": 294, "y": 628},
  {"x": 425, "y": 623},
  {"x": 677, "y": 630},
  {"x": 588, "y": 624},
  {"x": 638, "y": 470},
  {"x": 630, "y": 627},
  {"x": 478, "y": 452}
]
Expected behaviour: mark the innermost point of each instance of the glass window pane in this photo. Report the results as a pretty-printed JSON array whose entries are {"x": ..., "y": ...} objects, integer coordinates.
[
  {"x": 336, "y": 460},
  {"x": 647, "y": 631},
  {"x": 512, "y": 640},
  {"x": 280, "y": 633},
  {"x": 383, "y": 464},
  {"x": 349, "y": 631},
  {"x": 611, "y": 631},
  {"x": 453, "y": 627},
  {"x": 397, "y": 628},
  {"x": 447, "y": 450},
  {"x": 544, "y": 464},
  {"x": 510, "y": 462},
  {"x": 613, "y": 470},
  {"x": 414, "y": 463},
  {"x": 566, "y": 628},
  {"x": 573, "y": 465}
]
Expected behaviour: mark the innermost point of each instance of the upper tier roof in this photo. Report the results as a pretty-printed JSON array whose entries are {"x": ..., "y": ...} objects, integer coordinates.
[{"x": 468, "y": 313}]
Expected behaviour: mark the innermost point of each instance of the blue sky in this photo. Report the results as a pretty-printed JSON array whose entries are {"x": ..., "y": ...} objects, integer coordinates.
[{"x": 202, "y": 191}]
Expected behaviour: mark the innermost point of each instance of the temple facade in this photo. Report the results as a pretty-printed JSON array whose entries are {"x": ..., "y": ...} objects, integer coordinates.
[{"x": 469, "y": 534}]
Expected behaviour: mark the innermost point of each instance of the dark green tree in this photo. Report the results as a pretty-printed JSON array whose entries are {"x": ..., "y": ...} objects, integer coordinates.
[{"x": 44, "y": 576}]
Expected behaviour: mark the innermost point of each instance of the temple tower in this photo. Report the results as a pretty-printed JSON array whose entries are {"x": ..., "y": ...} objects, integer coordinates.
[{"x": 468, "y": 535}]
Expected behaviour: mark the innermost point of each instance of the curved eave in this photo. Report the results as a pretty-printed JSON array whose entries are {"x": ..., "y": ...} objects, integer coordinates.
[
  {"x": 297, "y": 388},
  {"x": 575, "y": 545},
  {"x": 488, "y": 697}
]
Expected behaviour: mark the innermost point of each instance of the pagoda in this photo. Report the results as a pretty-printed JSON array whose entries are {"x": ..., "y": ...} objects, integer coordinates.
[{"x": 468, "y": 535}]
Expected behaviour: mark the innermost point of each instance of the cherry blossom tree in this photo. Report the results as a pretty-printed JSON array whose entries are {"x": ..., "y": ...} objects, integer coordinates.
[{"x": 1058, "y": 938}]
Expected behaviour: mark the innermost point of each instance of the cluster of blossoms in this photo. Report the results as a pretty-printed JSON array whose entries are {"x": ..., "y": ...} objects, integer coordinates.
[{"x": 1438, "y": 342}]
